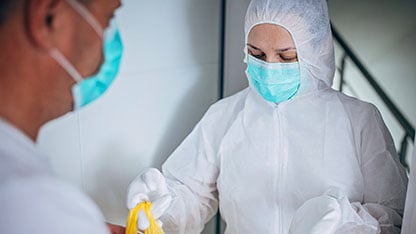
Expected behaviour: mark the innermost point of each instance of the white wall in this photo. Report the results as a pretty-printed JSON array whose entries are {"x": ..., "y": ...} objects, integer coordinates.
[
  {"x": 168, "y": 79},
  {"x": 383, "y": 34},
  {"x": 234, "y": 76}
]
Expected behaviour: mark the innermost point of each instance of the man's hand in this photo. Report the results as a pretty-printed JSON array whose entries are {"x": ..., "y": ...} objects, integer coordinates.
[{"x": 116, "y": 229}]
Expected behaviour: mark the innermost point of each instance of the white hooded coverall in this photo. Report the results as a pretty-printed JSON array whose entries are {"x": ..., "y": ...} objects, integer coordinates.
[
  {"x": 409, "y": 220},
  {"x": 321, "y": 156}
]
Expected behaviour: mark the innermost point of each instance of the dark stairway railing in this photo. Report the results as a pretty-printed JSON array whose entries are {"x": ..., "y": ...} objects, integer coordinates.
[{"x": 409, "y": 131}]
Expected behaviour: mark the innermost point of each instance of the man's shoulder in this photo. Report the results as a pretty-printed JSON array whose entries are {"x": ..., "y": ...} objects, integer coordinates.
[
  {"x": 41, "y": 191},
  {"x": 45, "y": 203}
]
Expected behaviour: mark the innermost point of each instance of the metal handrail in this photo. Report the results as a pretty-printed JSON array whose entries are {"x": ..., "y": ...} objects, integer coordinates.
[{"x": 398, "y": 115}]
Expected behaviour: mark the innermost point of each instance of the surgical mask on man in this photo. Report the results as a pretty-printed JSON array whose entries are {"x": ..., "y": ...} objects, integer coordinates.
[
  {"x": 89, "y": 89},
  {"x": 275, "y": 82}
]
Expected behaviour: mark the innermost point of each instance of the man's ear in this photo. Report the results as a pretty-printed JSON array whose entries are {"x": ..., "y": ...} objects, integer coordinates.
[{"x": 43, "y": 20}]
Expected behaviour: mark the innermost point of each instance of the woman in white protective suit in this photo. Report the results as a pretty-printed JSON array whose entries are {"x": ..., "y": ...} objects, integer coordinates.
[{"x": 288, "y": 154}]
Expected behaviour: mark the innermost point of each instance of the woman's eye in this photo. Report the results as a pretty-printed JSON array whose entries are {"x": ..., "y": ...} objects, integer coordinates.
[
  {"x": 289, "y": 58},
  {"x": 256, "y": 54},
  {"x": 259, "y": 56}
]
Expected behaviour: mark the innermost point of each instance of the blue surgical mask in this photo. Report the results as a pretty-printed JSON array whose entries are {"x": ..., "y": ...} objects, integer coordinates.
[
  {"x": 93, "y": 87},
  {"x": 275, "y": 82},
  {"x": 89, "y": 89}
]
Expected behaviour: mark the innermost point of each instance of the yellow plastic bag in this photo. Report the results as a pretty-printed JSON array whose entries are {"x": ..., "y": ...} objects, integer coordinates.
[{"x": 131, "y": 227}]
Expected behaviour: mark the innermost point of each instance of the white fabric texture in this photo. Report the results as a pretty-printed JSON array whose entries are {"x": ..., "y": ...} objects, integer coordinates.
[
  {"x": 150, "y": 185},
  {"x": 409, "y": 219},
  {"x": 32, "y": 200},
  {"x": 261, "y": 162},
  {"x": 326, "y": 216}
]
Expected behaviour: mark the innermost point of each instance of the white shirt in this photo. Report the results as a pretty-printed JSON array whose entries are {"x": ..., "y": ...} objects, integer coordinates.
[{"x": 32, "y": 200}]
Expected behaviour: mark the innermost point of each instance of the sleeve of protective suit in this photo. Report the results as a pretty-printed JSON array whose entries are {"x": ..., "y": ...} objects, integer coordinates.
[
  {"x": 385, "y": 179},
  {"x": 384, "y": 189},
  {"x": 409, "y": 224},
  {"x": 192, "y": 171},
  {"x": 332, "y": 213}
]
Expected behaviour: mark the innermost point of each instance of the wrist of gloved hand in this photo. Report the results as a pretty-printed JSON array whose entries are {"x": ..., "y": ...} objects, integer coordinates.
[
  {"x": 333, "y": 213},
  {"x": 150, "y": 186},
  {"x": 317, "y": 215}
]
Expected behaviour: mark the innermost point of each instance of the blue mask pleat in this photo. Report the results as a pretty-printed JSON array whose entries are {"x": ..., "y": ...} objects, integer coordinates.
[
  {"x": 275, "y": 82},
  {"x": 95, "y": 86}
]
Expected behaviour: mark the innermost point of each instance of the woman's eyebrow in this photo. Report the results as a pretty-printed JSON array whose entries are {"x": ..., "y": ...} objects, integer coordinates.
[
  {"x": 278, "y": 50},
  {"x": 252, "y": 46},
  {"x": 286, "y": 49}
]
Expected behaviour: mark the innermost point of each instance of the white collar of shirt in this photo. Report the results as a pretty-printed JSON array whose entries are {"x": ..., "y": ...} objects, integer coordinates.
[{"x": 14, "y": 143}]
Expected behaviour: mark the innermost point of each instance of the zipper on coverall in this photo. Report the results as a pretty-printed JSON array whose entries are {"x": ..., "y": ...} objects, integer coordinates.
[{"x": 281, "y": 153}]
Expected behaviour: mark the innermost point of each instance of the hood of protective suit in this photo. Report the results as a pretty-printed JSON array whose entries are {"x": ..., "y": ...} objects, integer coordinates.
[{"x": 308, "y": 23}]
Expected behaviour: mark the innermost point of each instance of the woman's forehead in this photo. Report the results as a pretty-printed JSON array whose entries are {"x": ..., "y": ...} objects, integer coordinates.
[{"x": 270, "y": 35}]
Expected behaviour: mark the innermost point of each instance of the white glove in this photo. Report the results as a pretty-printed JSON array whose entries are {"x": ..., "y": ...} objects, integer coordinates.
[
  {"x": 317, "y": 215},
  {"x": 149, "y": 186},
  {"x": 333, "y": 213}
]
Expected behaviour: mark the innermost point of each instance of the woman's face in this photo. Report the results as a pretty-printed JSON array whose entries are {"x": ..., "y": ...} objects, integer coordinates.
[{"x": 271, "y": 43}]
